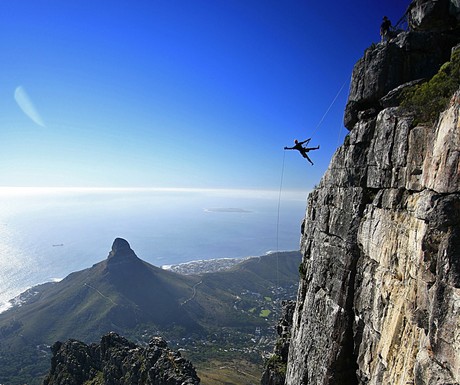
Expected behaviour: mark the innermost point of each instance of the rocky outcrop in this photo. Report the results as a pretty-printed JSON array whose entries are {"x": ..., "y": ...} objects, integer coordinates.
[
  {"x": 379, "y": 298},
  {"x": 275, "y": 367},
  {"x": 121, "y": 251},
  {"x": 117, "y": 361},
  {"x": 439, "y": 15},
  {"x": 410, "y": 56}
]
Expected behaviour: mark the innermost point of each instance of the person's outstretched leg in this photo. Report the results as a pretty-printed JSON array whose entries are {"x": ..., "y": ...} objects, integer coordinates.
[{"x": 306, "y": 157}]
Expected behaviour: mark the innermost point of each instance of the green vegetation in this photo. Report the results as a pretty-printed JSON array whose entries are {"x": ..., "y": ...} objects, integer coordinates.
[
  {"x": 430, "y": 98},
  {"x": 276, "y": 364},
  {"x": 98, "y": 380},
  {"x": 302, "y": 271},
  {"x": 25, "y": 368},
  {"x": 215, "y": 316},
  {"x": 264, "y": 313}
]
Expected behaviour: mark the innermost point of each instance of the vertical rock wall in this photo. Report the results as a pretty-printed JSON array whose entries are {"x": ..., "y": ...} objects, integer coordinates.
[
  {"x": 407, "y": 292},
  {"x": 379, "y": 301},
  {"x": 379, "y": 297}
]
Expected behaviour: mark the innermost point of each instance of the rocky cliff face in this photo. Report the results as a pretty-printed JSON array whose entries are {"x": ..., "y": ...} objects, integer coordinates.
[
  {"x": 379, "y": 298},
  {"x": 117, "y": 361},
  {"x": 275, "y": 368}
]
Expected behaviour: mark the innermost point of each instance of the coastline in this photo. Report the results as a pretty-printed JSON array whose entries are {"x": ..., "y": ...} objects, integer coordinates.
[
  {"x": 202, "y": 266},
  {"x": 193, "y": 267}
]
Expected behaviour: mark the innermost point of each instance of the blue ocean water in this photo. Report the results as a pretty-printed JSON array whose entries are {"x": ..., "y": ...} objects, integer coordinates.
[{"x": 45, "y": 234}]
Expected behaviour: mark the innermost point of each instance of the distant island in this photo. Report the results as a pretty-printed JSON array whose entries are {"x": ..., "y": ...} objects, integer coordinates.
[{"x": 226, "y": 210}]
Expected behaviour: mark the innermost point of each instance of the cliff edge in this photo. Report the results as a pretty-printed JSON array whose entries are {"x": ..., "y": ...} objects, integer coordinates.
[{"x": 379, "y": 297}]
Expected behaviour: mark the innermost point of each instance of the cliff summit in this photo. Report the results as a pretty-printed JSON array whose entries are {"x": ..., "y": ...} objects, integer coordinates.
[
  {"x": 379, "y": 296},
  {"x": 386, "y": 69},
  {"x": 120, "y": 247}
]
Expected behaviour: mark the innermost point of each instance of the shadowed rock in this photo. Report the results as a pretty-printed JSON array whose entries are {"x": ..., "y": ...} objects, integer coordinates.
[
  {"x": 117, "y": 361},
  {"x": 378, "y": 302}
]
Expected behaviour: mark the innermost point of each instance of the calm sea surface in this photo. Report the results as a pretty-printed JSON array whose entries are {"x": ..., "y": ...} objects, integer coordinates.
[{"x": 45, "y": 234}]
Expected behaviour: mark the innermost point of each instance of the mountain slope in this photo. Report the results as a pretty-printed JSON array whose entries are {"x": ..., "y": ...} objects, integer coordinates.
[
  {"x": 117, "y": 293},
  {"x": 261, "y": 277},
  {"x": 129, "y": 296}
]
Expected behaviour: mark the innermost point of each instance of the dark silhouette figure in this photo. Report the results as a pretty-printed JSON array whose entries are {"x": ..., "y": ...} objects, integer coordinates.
[
  {"x": 303, "y": 150},
  {"x": 385, "y": 29}
]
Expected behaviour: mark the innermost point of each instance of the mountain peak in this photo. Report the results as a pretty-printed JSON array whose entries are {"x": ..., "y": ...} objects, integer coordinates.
[
  {"x": 121, "y": 250},
  {"x": 120, "y": 244}
]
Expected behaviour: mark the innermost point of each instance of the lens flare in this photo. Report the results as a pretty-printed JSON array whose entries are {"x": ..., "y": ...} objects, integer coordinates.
[{"x": 25, "y": 103}]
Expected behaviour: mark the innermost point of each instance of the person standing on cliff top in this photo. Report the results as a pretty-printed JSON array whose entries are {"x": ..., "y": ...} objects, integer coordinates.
[
  {"x": 303, "y": 150},
  {"x": 385, "y": 29}
]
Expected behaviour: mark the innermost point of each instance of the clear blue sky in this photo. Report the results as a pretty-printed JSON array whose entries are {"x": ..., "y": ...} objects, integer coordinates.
[{"x": 176, "y": 93}]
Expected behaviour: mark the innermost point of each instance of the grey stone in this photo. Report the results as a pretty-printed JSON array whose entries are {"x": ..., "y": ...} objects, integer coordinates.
[
  {"x": 385, "y": 67},
  {"x": 440, "y": 15},
  {"x": 117, "y": 361},
  {"x": 379, "y": 296}
]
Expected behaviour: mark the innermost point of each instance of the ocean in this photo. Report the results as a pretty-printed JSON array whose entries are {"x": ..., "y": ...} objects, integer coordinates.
[{"x": 47, "y": 233}]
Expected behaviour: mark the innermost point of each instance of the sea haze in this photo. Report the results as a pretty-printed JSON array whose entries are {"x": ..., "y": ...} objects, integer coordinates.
[{"x": 45, "y": 233}]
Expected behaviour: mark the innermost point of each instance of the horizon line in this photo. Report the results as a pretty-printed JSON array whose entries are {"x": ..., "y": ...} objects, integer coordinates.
[{"x": 31, "y": 190}]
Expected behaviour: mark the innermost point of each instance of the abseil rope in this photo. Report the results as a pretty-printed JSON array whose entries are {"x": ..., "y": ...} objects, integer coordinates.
[
  {"x": 278, "y": 222},
  {"x": 281, "y": 185},
  {"x": 328, "y": 109}
]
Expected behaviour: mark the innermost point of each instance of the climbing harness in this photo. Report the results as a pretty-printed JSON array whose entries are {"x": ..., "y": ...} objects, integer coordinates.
[{"x": 317, "y": 126}]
